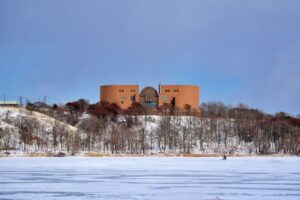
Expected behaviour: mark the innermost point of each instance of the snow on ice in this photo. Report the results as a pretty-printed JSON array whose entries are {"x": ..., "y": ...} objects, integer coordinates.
[{"x": 150, "y": 178}]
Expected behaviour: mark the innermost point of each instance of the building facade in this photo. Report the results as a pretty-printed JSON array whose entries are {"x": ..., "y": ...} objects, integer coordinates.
[
  {"x": 122, "y": 95},
  {"x": 178, "y": 96}
]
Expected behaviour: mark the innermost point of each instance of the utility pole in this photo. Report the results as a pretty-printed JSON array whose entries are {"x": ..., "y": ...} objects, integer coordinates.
[
  {"x": 20, "y": 101},
  {"x": 45, "y": 99},
  {"x": 159, "y": 87},
  {"x": 27, "y": 102}
]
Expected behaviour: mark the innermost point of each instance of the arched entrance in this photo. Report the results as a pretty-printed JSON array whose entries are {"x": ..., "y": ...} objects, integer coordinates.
[{"x": 149, "y": 97}]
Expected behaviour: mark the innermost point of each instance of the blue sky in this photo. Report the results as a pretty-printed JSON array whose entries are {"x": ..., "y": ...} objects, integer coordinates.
[{"x": 236, "y": 51}]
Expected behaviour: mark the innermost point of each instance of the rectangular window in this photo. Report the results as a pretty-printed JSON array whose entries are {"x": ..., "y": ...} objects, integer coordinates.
[
  {"x": 132, "y": 98},
  {"x": 165, "y": 99}
]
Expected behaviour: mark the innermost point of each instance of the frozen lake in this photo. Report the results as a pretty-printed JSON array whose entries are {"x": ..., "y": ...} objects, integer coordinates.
[{"x": 149, "y": 178}]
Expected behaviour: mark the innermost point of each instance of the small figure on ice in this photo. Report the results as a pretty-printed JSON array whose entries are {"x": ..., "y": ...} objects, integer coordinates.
[{"x": 224, "y": 157}]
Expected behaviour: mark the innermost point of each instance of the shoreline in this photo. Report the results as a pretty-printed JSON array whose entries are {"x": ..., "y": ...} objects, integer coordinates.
[{"x": 124, "y": 155}]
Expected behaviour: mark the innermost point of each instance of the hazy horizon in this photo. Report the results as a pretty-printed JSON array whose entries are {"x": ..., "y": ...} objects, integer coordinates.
[{"x": 236, "y": 51}]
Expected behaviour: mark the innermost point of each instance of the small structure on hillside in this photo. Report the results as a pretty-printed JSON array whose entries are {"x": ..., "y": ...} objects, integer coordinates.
[{"x": 9, "y": 103}]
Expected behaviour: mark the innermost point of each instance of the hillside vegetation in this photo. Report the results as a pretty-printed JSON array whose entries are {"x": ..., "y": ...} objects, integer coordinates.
[{"x": 104, "y": 128}]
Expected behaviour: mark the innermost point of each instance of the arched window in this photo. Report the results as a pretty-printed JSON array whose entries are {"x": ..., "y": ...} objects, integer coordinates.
[{"x": 147, "y": 97}]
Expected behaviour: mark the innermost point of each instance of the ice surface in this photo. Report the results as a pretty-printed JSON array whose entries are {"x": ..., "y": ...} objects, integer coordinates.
[{"x": 150, "y": 178}]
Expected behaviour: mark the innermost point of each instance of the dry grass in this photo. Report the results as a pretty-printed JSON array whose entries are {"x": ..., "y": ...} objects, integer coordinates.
[
  {"x": 187, "y": 155},
  {"x": 101, "y": 154},
  {"x": 40, "y": 155},
  {"x": 196, "y": 155},
  {"x": 95, "y": 154}
]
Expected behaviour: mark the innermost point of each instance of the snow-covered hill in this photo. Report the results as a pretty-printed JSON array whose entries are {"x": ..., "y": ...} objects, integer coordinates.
[
  {"x": 24, "y": 130},
  {"x": 9, "y": 115}
]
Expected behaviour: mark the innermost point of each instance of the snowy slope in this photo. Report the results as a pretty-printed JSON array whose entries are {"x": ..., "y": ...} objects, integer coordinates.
[
  {"x": 41, "y": 139},
  {"x": 14, "y": 113},
  {"x": 149, "y": 133}
]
